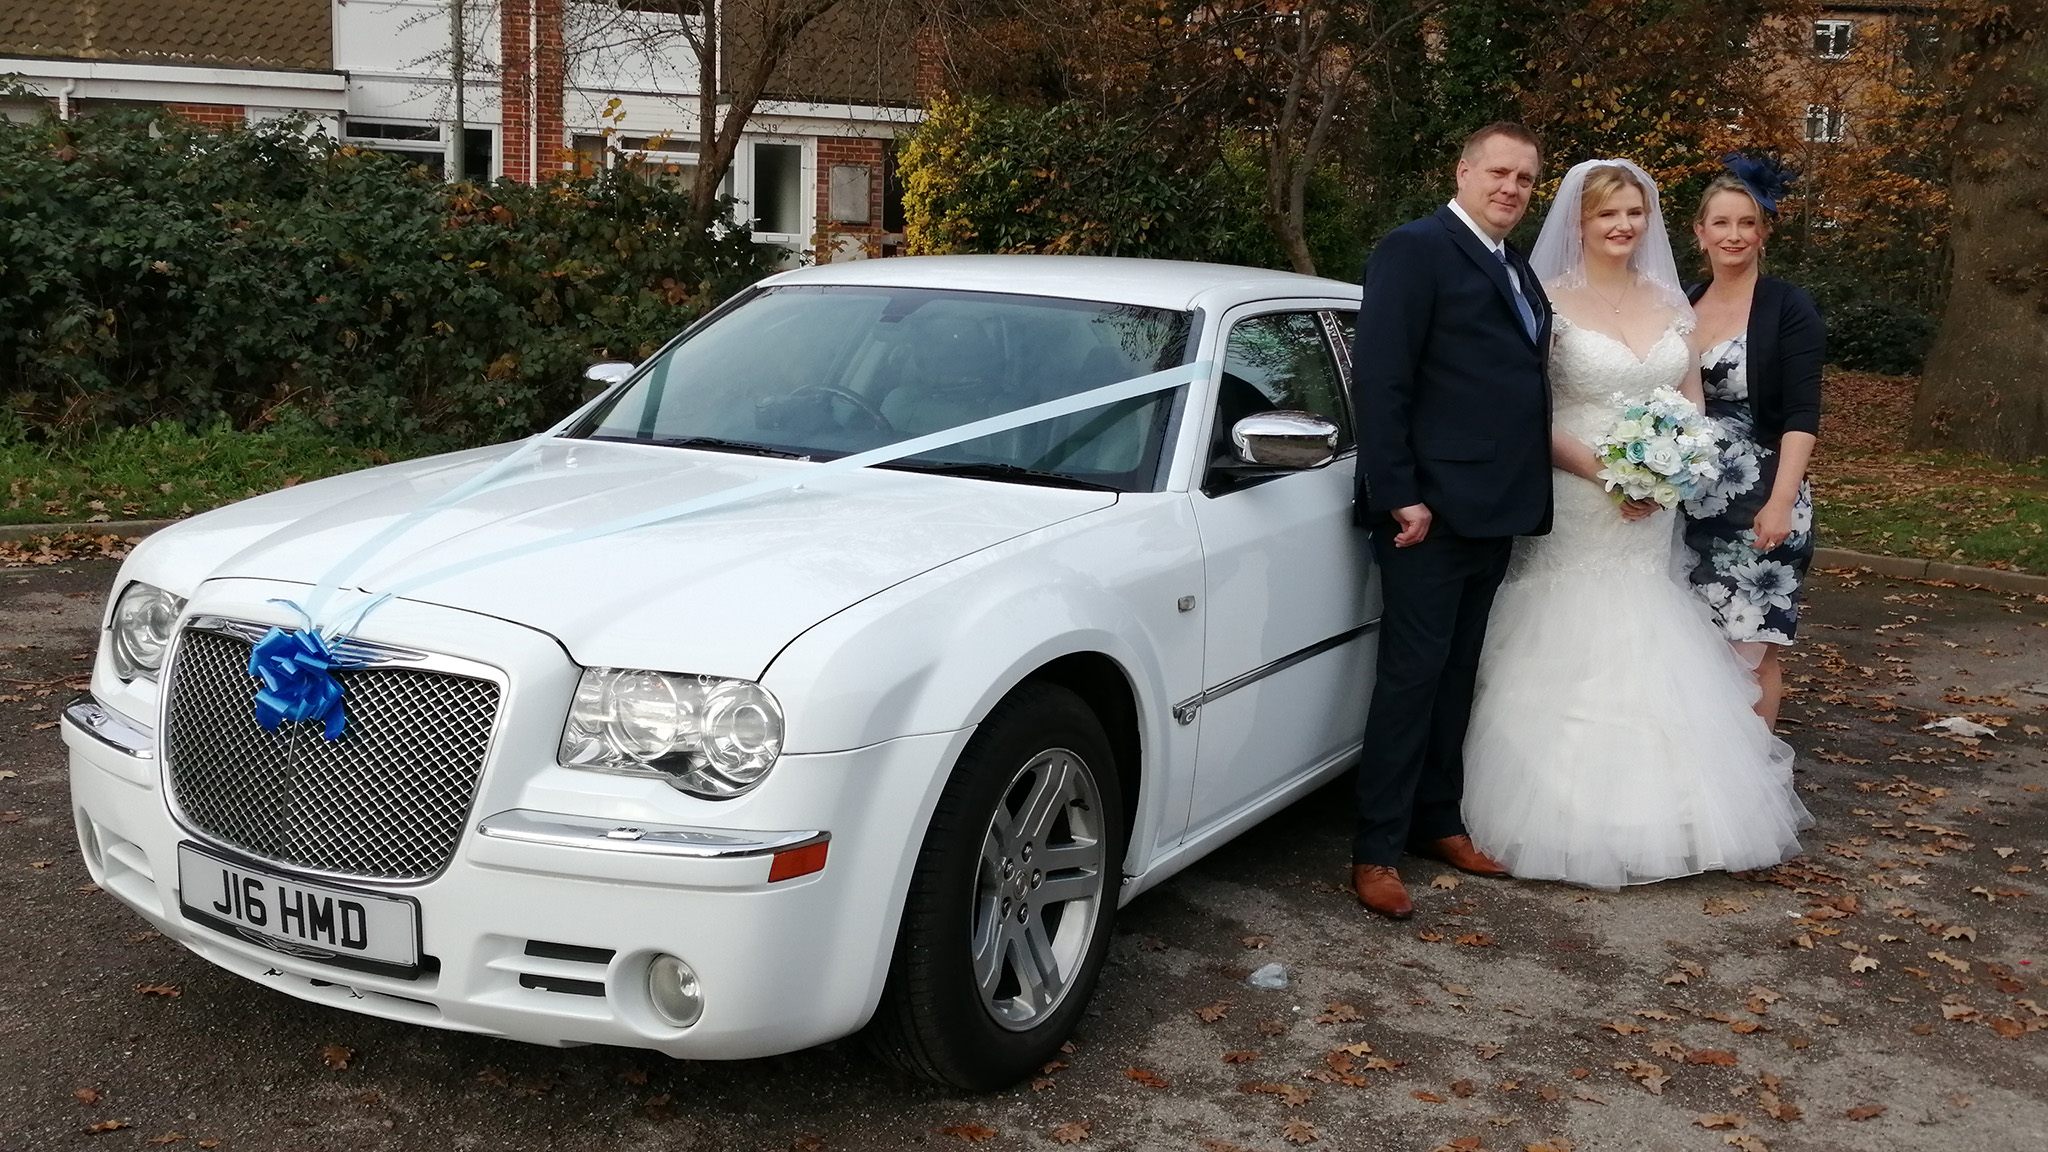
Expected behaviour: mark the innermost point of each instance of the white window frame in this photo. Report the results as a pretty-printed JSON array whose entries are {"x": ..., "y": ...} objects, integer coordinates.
[
  {"x": 1842, "y": 32},
  {"x": 446, "y": 140},
  {"x": 1825, "y": 123},
  {"x": 742, "y": 179}
]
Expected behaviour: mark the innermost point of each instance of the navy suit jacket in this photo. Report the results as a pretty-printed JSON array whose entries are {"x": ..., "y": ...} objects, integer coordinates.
[{"x": 1451, "y": 395}]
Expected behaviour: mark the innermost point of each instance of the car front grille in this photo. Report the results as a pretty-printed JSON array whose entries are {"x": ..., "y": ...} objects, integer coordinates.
[{"x": 386, "y": 801}]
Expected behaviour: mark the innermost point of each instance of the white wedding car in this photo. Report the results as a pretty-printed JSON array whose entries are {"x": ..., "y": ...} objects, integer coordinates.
[{"x": 885, "y": 746}]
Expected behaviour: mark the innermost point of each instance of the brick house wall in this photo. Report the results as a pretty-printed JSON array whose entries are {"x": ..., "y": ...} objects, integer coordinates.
[
  {"x": 535, "y": 141},
  {"x": 839, "y": 240},
  {"x": 211, "y": 115}
]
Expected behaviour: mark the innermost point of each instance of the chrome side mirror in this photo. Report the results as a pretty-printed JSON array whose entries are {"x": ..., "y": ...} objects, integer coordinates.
[
  {"x": 599, "y": 377},
  {"x": 1284, "y": 441}
]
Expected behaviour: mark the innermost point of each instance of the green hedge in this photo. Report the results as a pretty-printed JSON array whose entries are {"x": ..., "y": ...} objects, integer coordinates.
[
  {"x": 984, "y": 176},
  {"x": 153, "y": 270}
]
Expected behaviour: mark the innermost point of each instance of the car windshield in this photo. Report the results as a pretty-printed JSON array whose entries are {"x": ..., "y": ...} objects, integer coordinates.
[{"x": 821, "y": 372}]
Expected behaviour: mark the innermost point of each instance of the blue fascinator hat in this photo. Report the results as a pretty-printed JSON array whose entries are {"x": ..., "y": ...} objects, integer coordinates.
[{"x": 1767, "y": 179}]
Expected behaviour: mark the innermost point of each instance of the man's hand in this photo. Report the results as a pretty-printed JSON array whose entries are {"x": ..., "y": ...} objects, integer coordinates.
[{"x": 1414, "y": 521}]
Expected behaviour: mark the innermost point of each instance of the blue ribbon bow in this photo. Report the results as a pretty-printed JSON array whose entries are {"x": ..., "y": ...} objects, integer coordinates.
[{"x": 298, "y": 681}]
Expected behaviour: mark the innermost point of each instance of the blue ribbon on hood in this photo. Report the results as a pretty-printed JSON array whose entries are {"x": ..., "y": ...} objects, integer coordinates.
[{"x": 297, "y": 670}]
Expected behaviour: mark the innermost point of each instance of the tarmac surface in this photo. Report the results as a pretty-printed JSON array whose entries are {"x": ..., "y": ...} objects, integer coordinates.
[{"x": 1889, "y": 990}]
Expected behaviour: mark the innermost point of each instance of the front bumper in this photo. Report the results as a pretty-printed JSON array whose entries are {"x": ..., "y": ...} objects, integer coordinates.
[{"x": 542, "y": 927}]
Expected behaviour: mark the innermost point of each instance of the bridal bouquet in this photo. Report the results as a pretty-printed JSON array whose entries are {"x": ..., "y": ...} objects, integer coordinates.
[{"x": 1660, "y": 449}]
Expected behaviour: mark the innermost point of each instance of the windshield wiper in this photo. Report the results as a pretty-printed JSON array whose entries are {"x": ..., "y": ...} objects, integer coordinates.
[
  {"x": 711, "y": 444},
  {"x": 1008, "y": 472}
]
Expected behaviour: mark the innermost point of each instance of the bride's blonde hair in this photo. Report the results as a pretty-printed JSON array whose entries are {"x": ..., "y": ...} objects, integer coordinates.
[{"x": 1602, "y": 183}]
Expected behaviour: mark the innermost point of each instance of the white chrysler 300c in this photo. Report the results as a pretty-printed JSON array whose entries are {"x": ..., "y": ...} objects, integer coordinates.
[{"x": 710, "y": 723}]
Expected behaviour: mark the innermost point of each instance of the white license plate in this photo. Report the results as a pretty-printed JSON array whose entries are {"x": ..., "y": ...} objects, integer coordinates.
[{"x": 299, "y": 917}]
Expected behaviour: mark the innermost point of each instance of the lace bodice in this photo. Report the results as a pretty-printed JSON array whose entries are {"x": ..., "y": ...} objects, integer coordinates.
[
  {"x": 1587, "y": 369},
  {"x": 1589, "y": 539}
]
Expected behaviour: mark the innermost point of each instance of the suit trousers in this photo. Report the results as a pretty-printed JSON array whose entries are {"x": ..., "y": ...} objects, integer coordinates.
[{"x": 1411, "y": 778}]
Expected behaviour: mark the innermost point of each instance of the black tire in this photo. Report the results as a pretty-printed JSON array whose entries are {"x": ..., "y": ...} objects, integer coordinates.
[{"x": 936, "y": 1018}]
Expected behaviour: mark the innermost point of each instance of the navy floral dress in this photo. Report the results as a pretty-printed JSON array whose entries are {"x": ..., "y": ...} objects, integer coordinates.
[{"x": 1754, "y": 595}]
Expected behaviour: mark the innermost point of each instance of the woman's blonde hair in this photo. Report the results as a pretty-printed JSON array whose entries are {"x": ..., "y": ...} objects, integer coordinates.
[
  {"x": 1728, "y": 182},
  {"x": 1601, "y": 185}
]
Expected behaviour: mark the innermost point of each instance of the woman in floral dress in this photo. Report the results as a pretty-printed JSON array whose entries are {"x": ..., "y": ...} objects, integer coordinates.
[{"x": 1751, "y": 533}]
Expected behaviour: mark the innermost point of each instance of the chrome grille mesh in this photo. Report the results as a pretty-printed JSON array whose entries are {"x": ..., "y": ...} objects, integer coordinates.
[{"x": 386, "y": 801}]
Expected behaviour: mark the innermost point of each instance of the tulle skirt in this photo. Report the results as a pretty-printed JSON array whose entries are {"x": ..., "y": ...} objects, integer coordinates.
[{"x": 1613, "y": 738}]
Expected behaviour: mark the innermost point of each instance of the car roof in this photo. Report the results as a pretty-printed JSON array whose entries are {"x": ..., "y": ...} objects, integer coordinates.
[{"x": 1176, "y": 284}]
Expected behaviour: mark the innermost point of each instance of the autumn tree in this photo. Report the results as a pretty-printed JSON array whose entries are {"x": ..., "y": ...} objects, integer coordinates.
[{"x": 1986, "y": 384}]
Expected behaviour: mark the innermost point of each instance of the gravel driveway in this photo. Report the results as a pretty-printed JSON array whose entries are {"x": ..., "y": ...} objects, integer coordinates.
[{"x": 1888, "y": 990}]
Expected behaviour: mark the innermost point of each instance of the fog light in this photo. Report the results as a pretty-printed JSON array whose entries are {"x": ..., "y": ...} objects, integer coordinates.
[{"x": 672, "y": 988}]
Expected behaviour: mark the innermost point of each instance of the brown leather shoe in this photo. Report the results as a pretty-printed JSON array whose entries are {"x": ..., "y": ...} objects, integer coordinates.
[
  {"x": 1458, "y": 852},
  {"x": 1380, "y": 889}
]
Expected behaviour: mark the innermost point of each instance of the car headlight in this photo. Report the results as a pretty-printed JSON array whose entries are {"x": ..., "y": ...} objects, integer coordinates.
[
  {"x": 143, "y": 622},
  {"x": 706, "y": 735}
]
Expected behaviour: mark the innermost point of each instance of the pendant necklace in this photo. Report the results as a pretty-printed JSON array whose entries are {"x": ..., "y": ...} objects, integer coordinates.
[{"x": 1603, "y": 296}]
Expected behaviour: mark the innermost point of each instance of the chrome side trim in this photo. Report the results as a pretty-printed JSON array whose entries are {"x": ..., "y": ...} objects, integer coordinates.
[
  {"x": 111, "y": 728},
  {"x": 354, "y": 653},
  {"x": 561, "y": 831},
  {"x": 1185, "y": 710}
]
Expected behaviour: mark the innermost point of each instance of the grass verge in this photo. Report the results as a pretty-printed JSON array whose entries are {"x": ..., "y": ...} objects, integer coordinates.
[
  {"x": 1872, "y": 495},
  {"x": 164, "y": 471}
]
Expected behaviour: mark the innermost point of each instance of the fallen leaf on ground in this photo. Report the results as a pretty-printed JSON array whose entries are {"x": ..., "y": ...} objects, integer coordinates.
[
  {"x": 87, "y": 1095},
  {"x": 1429, "y": 937},
  {"x": 1446, "y": 881},
  {"x": 1340, "y": 1014},
  {"x": 167, "y": 991},
  {"x": 1043, "y": 1084},
  {"x": 1145, "y": 1076},
  {"x": 1721, "y": 906},
  {"x": 1862, "y": 963},
  {"x": 1213, "y": 1012},
  {"x": 107, "y": 1126},
  {"x": 1655, "y": 1014},
  {"x": 1255, "y": 941},
  {"x": 1945, "y": 958},
  {"x": 1476, "y": 940},
  {"x": 1589, "y": 1096},
  {"x": 1554, "y": 1144},
  {"x": 1463, "y": 1088},
  {"x": 1746, "y": 1142},
  {"x": 1958, "y": 1012},
  {"x": 1865, "y": 1111},
  {"x": 1723, "y": 1120},
  {"x": 337, "y": 1056},
  {"x": 1292, "y": 1095},
  {"x": 1711, "y": 1056},
  {"x": 1489, "y": 1051},
  {"x": 1299, "y": 1132},
  {"x": 1461, "y": 1144},
  {"x": 1456, "y": 989},
  {"x": 1581, "y": 1073},
  {"x": 1239, "y": 1057},
  {"x": 1427, "y": 1097},
  {"x": 1669, "y": 1049},
  {"x": 971, "y": 1133},
  {"x": 1548, "y": 1091},
  {"x": 1072, "y": 1133},
  {"x": 1622, "y": 1027},
  {"x": 1272, "y": 1027}
]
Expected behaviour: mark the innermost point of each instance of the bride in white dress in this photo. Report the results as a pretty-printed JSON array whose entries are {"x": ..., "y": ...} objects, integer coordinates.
[{"x": 1613, "y": 738}]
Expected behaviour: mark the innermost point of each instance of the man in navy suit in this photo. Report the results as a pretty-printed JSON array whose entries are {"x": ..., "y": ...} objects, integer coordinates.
[{"x": 1452, "y": 397}]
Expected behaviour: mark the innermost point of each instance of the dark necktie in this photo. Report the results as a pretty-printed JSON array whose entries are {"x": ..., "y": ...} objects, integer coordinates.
[{"x": 1521, "y": 302}]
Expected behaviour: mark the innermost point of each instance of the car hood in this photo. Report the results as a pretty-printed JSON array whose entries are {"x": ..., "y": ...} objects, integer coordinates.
[{"x": 718, "y": 592}]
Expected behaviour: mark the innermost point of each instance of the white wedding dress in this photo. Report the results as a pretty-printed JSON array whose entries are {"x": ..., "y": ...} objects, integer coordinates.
[{"x": 1613, "y": 739}]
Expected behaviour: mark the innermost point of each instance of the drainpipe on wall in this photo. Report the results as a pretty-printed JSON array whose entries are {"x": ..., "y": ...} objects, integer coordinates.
[
  {"x": 533, "y": 91},
  {"x": 64, "y": 99}
]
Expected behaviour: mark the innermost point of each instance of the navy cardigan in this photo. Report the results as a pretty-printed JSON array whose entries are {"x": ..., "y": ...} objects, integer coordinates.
[{"x": 1788, "y": 344}]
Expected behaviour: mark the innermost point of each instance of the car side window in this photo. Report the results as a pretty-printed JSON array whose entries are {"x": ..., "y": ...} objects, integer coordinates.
[{"x": 1280, "y": 360}]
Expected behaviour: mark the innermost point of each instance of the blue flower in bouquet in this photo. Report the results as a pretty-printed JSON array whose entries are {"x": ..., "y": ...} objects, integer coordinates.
[{"x": 1662, "y": 450}]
